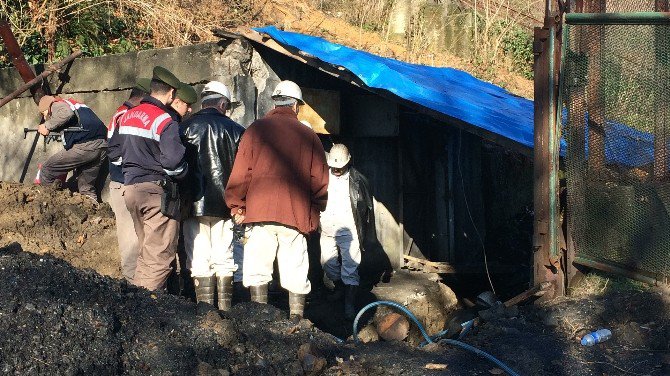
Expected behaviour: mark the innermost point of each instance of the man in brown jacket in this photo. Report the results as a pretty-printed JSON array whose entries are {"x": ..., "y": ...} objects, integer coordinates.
[{"x": 278, "y": 187}]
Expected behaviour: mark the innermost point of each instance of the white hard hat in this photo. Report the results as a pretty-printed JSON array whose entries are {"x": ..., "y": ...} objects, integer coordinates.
[
  {"x": 288, "y": 89},
  {"x": 339, "y": 156},
  {"x": 215, "y": 89},
  {"x": 306, "y": 123}
]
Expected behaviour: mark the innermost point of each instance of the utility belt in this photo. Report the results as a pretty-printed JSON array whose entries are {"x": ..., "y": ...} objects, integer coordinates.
[{"x": 170, "y": 198}]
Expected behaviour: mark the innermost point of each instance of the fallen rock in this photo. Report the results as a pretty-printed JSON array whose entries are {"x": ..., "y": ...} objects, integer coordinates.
[
  {"x": 393, "y": 327},
  {"x": 311, "y": 358},
  {"x": 368, "y": 334}
]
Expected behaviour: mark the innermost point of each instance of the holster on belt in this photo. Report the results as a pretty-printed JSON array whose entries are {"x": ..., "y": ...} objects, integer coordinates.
[{"x": 170, "y": 200}]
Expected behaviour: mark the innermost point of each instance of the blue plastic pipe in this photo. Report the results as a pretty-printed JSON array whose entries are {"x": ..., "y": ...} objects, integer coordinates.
[{"x": 428, "y": 339}]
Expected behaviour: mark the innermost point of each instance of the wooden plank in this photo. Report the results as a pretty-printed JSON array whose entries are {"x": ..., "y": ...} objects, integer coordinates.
[
  {"x": 533, "y": 291},
  {"x": 321, "y": 110}
]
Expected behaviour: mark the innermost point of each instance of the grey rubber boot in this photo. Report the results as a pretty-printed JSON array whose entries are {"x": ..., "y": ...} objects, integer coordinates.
[
  {"x": 224, "y": 290},
  {"x": 259, "y": 293},
  {"x": 350, "y": 292},
  {"x": 296, "y": 304},
  {"x": 204, "y": 289}
]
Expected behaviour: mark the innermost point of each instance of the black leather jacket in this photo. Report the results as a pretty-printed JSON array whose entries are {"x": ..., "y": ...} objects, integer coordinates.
[
  {"x": 211, "y": 140},
  {"x": 362, "y": 207}
]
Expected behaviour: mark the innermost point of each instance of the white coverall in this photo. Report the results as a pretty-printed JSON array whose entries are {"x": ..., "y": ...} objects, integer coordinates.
[
  {"x": 267, "y": 240},
  {"x": 338, "y": 232},
  {"x": 207, "y": 243}
]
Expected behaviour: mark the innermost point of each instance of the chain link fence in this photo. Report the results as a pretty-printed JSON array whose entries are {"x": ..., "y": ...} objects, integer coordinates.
[{"x": 616, "y": 123}]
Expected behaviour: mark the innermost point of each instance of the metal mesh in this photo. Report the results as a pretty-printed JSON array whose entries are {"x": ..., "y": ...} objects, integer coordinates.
[{"x": 616, "y": 124}]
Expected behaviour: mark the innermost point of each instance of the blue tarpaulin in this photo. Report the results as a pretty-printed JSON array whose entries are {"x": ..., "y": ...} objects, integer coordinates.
[
  {"x": 459, "y": 95},
  {"x": 449, "y": 91}
]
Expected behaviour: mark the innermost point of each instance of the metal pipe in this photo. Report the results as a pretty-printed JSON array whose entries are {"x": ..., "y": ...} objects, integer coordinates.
[
  {"x": 633, "y": 18},
  {"x": 616, "y": 270},
  {"x": 49, "y": 71}
]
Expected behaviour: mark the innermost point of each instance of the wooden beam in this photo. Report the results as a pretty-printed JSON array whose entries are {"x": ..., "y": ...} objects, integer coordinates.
[
  {"x": 49, "y": 71},
  {"x": 427, "y": 266},
  {"x": 533, "y": 291}
]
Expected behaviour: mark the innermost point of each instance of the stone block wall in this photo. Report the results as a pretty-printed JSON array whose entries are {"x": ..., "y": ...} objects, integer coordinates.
[{"x": 103, "y": 83}]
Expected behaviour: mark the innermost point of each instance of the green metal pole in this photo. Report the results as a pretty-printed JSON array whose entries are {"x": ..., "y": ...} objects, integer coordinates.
[{"x": 633, "y": 18}]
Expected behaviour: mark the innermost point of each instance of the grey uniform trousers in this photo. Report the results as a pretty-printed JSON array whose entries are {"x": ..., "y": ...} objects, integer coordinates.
[{"x": 85, "y": 159}]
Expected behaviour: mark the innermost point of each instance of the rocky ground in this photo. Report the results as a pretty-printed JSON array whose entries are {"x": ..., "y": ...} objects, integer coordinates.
[{"x": 64, "y": 311}]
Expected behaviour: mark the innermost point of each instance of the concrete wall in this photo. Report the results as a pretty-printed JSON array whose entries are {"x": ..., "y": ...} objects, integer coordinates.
[{"x": 103, "y": 83}]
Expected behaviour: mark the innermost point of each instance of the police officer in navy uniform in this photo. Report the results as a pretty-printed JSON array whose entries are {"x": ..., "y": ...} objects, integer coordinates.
[
  {"x": 84, "y": 141},
  {"x": 125, "y": 230},
  {"x": 152, "y": 158}
]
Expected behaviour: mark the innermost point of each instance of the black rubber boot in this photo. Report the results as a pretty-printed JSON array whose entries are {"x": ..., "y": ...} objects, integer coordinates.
[
  {"x": 240, "y": 293},
  {"x": 224, "y": 290},
  {"x": 259, "y": 293},
  {"x": 296, "y": 304},
  {"x": 350, "y": 292},
  {"x": 204, "y": 289},
  {"x": 337, "y": 292}
]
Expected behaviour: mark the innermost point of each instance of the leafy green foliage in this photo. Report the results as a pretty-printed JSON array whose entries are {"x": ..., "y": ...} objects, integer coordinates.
[
  {"x": 95, "y": 30},
  {"x": 518, "y": 45}
]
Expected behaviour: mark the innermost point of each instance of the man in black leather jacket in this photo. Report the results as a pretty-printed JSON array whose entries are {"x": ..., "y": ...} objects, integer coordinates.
[
  {"x": 347, "y": 226},
  {"x": 211, "y": 140}
]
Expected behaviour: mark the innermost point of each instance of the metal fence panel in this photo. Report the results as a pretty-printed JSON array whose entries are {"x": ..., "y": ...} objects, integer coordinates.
[{"x": 616, "y": 122}]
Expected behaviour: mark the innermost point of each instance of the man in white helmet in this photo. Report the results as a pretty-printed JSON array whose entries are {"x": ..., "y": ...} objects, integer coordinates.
[
  {"x": 278, "y": 187},
  {"x": 346, "y": 224},
  {"x": 211, "y": 140}
]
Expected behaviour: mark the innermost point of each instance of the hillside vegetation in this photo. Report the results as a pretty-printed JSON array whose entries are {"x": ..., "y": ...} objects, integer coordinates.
[{"x": 499, "y": 39}]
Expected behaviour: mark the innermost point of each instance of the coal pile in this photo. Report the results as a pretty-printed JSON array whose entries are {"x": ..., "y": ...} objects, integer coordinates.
[{"x": 56, "y": 319}]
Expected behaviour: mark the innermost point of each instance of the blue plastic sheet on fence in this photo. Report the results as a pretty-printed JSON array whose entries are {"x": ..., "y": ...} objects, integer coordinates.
[
  {"x": 627, "y": 146},
  {"x": 449, "y": 91}
]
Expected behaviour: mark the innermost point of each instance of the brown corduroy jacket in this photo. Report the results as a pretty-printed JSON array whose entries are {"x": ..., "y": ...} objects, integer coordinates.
[{"x": 280, "y": 173}]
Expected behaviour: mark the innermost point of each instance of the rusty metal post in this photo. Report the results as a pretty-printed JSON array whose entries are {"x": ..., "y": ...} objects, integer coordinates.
[
  {"x": 662, "y": 49},
  {"x": 18, "y": 59},
  {"x": 547, "y": 254},
  {"x": 594, "y": 91}
]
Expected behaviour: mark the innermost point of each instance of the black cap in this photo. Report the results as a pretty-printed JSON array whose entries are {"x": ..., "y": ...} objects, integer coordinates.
[{"x": 164, "y": 75}]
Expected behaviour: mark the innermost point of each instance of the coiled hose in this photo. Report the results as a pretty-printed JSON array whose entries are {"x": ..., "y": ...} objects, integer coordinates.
[{"x": 425, "y": 335}]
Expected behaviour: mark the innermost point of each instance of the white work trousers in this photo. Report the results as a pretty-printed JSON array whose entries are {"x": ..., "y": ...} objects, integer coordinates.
[
  {"x": 207, "y": 244},
  {"x": 345, "y": 239},
  {"x": 267, "y": 241}
]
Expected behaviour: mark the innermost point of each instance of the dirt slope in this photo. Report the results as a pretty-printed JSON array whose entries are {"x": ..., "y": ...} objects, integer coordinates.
[
  {"x": 299, "y": 16},
  {"x": 64, "y": 224}
]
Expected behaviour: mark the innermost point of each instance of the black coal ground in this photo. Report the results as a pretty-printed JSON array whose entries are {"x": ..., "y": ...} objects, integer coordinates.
[{"x": 56, "y": 319}]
